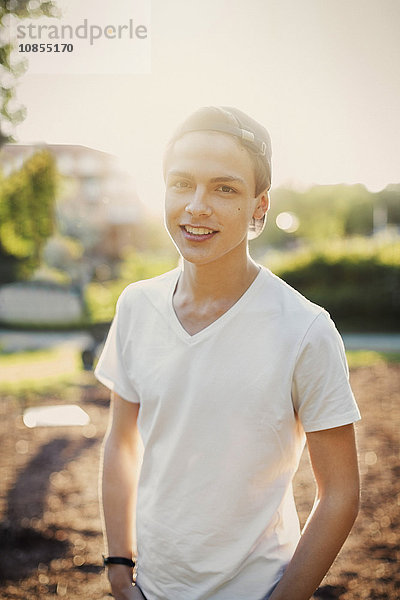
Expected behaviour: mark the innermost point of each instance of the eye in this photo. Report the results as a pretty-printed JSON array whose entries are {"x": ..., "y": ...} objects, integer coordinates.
[
  {"x": 226, "y": 189},
  {"x": 180, "y": 184}
]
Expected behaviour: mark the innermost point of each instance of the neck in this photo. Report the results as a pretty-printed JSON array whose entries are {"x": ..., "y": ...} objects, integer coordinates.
[{"x": 226, "y": 278}]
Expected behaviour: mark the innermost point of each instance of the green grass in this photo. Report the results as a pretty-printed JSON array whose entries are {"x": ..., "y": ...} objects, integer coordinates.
[
  {"x": 27, "y": 356},
  {"x": 369, "y": 358},
  {"x": 39, "y": 371}
]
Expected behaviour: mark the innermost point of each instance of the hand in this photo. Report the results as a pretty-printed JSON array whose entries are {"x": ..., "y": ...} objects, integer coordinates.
[
  {"x": 131, "y": 593},
  {"x": 122, "y": 587}
]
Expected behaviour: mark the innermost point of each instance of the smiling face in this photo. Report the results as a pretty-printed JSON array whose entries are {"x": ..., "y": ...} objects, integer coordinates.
[{"x": 210, "y": 196}]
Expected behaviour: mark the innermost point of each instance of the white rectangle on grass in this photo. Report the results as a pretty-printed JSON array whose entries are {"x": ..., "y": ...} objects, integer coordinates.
[{"x": 55, "y": 416}]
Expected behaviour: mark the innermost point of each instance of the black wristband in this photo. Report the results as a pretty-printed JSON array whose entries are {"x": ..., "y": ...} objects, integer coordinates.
[{"x": 118, "y": 560}]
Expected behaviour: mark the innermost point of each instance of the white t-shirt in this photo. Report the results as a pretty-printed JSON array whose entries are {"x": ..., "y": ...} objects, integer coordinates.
[{"x": 222, "y": 417}]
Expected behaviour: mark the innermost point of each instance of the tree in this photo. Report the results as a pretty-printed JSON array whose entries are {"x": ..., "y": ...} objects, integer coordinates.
[
  {"x": 26, "y": 215},
  {"x": 325, "y": 212},
  {"x": 11, "y": 69}
]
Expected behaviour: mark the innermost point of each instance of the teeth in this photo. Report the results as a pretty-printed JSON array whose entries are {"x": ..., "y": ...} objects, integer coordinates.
[{"x": 198, "y": 230}]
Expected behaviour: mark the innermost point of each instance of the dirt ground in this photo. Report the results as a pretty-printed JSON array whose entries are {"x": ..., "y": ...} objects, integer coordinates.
[{"x": 50, "y": 530}]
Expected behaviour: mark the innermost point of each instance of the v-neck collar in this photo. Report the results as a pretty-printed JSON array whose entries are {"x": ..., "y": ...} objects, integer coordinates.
[{"x": 220, "y": 321}]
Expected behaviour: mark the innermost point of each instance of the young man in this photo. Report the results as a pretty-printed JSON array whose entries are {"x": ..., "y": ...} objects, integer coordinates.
[{"x": 223, "y": 370}]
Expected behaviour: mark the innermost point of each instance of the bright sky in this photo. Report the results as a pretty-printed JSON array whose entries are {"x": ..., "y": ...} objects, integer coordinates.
[{"x": 322, "y": 75}]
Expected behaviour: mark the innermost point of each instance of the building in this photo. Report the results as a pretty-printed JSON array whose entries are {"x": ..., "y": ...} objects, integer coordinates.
[{"x": 97, "y": 202}]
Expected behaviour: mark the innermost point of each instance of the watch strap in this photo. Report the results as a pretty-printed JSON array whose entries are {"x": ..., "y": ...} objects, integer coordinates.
[{"x": 118, "y": 560}]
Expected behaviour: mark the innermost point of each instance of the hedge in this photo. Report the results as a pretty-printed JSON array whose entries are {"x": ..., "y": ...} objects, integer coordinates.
[{"x": 357, "y": 281}]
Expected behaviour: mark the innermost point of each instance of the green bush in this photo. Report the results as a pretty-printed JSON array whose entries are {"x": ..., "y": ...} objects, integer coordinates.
[{"x": 356, "y": 280}]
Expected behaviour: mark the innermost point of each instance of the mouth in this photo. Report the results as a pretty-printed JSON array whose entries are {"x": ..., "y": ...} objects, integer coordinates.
[{"x": 196, "y": 233}]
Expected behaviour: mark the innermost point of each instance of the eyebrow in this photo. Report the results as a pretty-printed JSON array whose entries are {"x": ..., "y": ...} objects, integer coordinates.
[{"x": 220, "y": 179}]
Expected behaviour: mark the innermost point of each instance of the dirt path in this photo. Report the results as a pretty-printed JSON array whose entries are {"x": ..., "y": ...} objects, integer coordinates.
[{"x": 50, "y": 536}]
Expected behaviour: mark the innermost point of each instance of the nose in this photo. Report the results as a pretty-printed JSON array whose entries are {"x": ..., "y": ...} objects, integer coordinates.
[{"x": 198, "y": 204}]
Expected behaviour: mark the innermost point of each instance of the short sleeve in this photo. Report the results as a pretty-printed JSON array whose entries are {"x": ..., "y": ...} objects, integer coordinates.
[
  {"x": 321, "y": 392},
  {"x": 110, "y": 369}
]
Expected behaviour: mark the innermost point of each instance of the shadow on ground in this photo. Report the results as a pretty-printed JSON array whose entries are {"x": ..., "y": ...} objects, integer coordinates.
[{"x": 24, "y": 546}]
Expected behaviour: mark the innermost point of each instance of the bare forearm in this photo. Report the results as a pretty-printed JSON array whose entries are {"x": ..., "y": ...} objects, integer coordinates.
[
  {"x": 119, "y": 487},
  {"x": 324, "y": 535},
  {"x": 122, "y": 454}
]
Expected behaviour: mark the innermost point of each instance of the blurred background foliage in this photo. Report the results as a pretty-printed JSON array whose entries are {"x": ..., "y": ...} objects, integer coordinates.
[
  {"x": 12, "y": 67},
  {"x": 331, "y": 211},
  {"x": 27, "y": 199},
  {"x": 357, "y": 280}
]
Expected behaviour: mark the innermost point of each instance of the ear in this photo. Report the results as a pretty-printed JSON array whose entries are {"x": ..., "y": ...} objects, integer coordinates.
[{"x": 262, "y": 205}]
